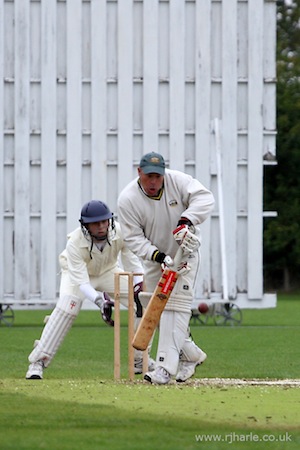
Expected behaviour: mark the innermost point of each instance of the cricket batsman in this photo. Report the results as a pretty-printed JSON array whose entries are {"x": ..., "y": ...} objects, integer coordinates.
[{"x": 158, "y": 211}]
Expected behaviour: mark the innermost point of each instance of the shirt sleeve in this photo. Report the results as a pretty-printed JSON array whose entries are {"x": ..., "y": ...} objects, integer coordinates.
[
  {"x": 131, "y": 227},
  {"x": 77, "y": 266},
  {"x": 89, "y": 292},
  {"x": 130, "y": 261},
  {"x": 199, "y": 200}
]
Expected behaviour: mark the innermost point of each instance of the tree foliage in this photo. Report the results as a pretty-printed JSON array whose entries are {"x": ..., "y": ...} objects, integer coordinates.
[{"x": 282, "y": 182}]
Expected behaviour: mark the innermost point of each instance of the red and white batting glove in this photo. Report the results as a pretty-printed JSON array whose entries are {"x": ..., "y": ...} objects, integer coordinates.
[
  {"x": 187, "y": 240},
  {"x": 183, "y": 268}
]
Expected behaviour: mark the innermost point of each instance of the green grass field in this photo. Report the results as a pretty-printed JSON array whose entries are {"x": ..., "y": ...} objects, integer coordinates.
[{"x": 78, "y": 405}]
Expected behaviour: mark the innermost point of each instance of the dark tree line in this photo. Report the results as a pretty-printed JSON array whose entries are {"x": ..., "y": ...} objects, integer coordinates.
[{"x": 282, "y": 182}]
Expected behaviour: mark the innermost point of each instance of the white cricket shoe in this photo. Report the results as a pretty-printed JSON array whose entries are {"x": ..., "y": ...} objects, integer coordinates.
[
  {"x": 138, "y": 365},
  {"x": 35, "y": 371},
  {"x": 158, "y": 376},
  {"x": 187, "y": 368}
]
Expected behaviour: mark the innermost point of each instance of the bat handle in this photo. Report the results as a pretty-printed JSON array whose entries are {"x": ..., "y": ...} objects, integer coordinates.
[{"x": 178, "y": 257}]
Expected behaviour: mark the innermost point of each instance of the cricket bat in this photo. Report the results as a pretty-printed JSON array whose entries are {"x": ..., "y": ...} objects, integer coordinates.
[{"x": 156, "y": 305}]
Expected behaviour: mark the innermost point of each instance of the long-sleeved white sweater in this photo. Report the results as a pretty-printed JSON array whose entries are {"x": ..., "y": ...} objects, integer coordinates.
[{"x": 147, "y": 223}]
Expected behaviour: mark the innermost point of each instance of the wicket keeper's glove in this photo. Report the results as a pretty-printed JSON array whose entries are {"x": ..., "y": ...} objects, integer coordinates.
[
  {"x": 138, "y": 287},
  {"x": 104, "y": 302}
]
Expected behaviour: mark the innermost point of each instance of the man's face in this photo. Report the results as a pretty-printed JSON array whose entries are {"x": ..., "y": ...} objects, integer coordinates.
[
  {"x": 98, "y": 229},
  {"x": 151, "y": 182}
]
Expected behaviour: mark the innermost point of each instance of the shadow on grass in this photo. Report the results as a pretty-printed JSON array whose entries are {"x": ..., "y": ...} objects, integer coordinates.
[{"x": 29, "y": 423}]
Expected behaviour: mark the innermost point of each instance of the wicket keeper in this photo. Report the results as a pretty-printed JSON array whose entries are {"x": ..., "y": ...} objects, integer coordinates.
[{"x": 88, "y": 265}]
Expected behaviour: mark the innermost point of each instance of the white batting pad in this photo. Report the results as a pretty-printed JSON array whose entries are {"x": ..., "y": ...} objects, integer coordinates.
[
  {"x": 52, "y": 336},
  {"x": 172, "y": 334},
  {"x": 190, "y": 351}
]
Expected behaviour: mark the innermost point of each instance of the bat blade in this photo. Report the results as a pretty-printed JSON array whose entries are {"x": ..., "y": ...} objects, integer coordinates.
[{"x": 156, "y": 305}]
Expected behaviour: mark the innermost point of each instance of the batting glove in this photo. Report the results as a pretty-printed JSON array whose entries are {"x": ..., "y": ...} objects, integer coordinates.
[
  {"x": 162, "y": 258},
  {"x": 183, "y": 268},
  {"x": 186, "y": 239},
  {"x": 104, "y": 302},
  {"x": 185, "y": 221}
]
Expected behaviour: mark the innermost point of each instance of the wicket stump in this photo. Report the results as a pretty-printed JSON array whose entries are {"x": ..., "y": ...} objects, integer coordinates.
[{"x": 117, "y": 328}]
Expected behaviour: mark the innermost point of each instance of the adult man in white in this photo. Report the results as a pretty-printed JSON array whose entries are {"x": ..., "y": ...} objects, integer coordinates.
[
  {"x": 151, "y": 211},
  {"x": 88, "y": 265}
]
